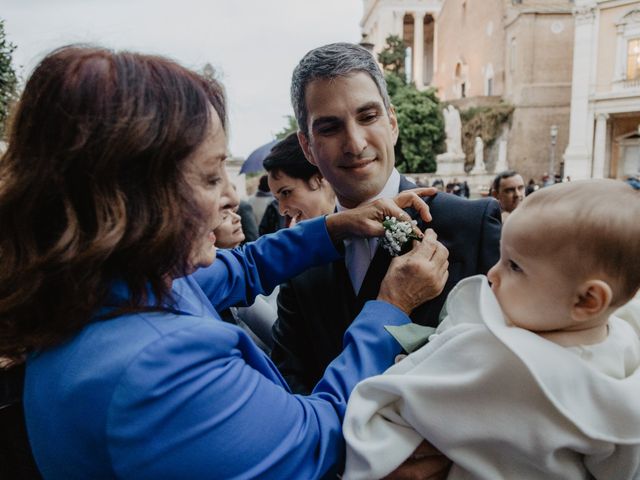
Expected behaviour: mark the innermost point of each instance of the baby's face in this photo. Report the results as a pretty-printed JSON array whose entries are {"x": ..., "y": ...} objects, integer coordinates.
[{"x": 532, "y": 290}]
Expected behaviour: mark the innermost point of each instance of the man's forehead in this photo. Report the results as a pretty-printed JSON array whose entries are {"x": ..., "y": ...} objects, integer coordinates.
[
  {"x": 361, "y": 88},
  {"x": 512, "y": 181}
]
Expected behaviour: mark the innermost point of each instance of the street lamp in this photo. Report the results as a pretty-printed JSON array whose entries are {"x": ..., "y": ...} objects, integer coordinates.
[{"x": 553, "y": 132}]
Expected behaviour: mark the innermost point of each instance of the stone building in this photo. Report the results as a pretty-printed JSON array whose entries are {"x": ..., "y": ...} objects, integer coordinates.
[
  {"x": 605, "y": 105},
  {"x": 483, "y": 52}
]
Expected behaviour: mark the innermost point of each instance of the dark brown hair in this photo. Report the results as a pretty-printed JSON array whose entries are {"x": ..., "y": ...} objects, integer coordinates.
[{"x": 92, "y": 191}]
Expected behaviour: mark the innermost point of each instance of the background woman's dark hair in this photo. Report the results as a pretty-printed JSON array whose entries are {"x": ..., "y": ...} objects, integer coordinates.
[
  {"x": 92, "y": 190},
  {"x": 287, "y": 157}
]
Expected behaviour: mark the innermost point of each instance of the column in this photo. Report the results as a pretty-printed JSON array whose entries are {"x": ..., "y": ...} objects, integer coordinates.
[
  {"x": 620, "y": 72},
  {"x": 398, "y": 23},
  {"x": 418, "y": 48},
  {"x": 577, "y": 156},
  {"x": 600, "y": 147}
]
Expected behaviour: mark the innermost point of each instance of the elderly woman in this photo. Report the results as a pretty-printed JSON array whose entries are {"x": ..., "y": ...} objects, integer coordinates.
[{"x": 110, "y": 192}]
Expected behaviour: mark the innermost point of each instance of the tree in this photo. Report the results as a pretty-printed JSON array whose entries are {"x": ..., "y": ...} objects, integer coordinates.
[
  {"x": 392, "y": 57},
  {"x": 8, "y": 78},
  {"x": 421, "y": 129},
  {"x": 292, "y": 126},
  {"x": 419, "y": 114}
]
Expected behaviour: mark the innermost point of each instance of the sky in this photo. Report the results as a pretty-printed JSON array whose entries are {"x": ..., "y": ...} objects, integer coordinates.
[{"x": 253, "y": 44}]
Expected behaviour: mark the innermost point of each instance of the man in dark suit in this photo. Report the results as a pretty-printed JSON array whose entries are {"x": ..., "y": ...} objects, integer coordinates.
[{"x": 348, "y": 129}]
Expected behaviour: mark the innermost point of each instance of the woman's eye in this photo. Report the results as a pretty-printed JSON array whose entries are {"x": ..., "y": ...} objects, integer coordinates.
[{"x": 514, "y": 266}]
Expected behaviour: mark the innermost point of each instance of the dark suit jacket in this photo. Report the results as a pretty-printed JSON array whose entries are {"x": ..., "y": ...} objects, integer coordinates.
[{"x": 316, "y": 307}]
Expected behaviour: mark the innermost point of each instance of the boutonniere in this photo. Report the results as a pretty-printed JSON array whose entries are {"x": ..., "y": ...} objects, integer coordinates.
[{"x": 397, "y": 235}]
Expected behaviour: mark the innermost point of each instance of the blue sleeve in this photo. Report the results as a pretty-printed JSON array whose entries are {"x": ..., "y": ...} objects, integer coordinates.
[
  {"x": 198, "y": 404},
  {"x": 238, "y": 275}
]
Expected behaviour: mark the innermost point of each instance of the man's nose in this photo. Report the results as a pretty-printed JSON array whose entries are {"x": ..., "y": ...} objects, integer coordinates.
[{"x": 355, "y": 141}]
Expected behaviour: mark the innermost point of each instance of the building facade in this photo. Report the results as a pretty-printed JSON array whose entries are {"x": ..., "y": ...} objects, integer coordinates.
[
  {"x": 485, "y": 52},
  {"x": 605, "y": 105},
  {"x": 411, "y": 20}
]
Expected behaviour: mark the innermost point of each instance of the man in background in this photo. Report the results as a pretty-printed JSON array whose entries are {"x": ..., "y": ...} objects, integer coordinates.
[{"x": 508, "y": 189}]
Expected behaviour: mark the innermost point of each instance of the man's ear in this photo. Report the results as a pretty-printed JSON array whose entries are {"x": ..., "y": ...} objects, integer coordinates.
[
  {"x": 393, "y": 119},
  {"x": 594, "y": 297},
  {"x": 304, "y": 143}
]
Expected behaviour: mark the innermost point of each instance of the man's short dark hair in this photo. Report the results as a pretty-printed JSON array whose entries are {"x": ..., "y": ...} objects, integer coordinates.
[
  {"x": 495, "y": 186},
  {"x": 331, "y": 61}
]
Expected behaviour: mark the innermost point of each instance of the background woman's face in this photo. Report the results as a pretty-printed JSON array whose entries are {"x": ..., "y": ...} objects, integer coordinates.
[
  {"x": 298, "y": 199},
  {"x": 229, "y": 233},
  {"x": 207, "y": 176}
]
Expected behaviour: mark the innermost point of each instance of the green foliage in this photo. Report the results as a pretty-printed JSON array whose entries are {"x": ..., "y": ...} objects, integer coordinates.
[
  {"x": 8, "y": 79},
  {"x": 393, "y": 55},
  {"x": 419, "y": 113},
  {"x": 485, "y": 122},
  {"x": 421, "y": 127},
  {"x": 292, "y": 126}
]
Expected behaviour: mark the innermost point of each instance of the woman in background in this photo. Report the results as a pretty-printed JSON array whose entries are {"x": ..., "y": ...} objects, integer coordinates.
[{"x": 301, "y": 190}]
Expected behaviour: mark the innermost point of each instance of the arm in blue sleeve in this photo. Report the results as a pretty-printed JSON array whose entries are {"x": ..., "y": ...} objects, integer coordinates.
[
  {"x": 238, "y": 275},
  {"x": 196, "y": 404}
]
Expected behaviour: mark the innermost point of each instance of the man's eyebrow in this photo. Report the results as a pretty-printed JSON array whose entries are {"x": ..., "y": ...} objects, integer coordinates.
[{"x": 369, "y": 106}]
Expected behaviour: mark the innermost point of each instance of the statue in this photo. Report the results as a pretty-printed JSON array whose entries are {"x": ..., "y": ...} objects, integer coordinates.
[
  {"x": 453, "y": 130},
  {"x": 478, "y": 150},
  {"x": 501, "y": 164}
]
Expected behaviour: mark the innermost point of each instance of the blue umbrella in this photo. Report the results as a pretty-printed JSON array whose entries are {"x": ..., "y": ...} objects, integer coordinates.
[{"x": 253, "y": 163}]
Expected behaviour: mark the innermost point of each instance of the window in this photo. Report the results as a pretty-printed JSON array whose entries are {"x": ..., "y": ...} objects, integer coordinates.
[
  {"x": 489, "y": 87},
  {"x": 633, "y": 59}
]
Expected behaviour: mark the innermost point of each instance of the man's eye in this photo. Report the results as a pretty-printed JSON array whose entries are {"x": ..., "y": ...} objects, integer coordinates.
[
  {"x": 285, "y": 193},
  {"x": 514, "y": 266},
  {"x": 369, "y": 117},
  {"x": 328, "y": 130},
  {"x": 214, "y": 180}
]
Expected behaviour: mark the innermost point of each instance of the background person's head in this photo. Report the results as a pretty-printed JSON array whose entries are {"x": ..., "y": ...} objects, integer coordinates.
[
  {"x": 299, "y": 187},
  {"x": 508, "y": 189},
  {"x": 569, "y": 255},
  {"x": 348, "y": 127},
  {"x": 114, "y": 171},
  {"x": 229, "y": 233}
]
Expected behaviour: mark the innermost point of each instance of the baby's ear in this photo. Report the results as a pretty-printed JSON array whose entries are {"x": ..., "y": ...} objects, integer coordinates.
[{"x": 594, "y": 297}]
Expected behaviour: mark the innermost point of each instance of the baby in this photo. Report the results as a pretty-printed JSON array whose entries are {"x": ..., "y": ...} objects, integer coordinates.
[{"x": 532, "y": 375}]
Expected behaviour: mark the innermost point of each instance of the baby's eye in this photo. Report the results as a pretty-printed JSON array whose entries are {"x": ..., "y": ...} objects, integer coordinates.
[{"x": 514, "y": 266}]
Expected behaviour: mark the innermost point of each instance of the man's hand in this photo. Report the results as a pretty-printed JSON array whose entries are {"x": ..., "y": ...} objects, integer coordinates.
[
  {"x": 366, "y": 220},
  {"x": 416, "y": 276},
  {"x": 426, "y": 463}
]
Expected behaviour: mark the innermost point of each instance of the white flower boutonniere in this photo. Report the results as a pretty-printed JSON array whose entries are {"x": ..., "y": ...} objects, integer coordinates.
[{"x": 397, "y": 234}]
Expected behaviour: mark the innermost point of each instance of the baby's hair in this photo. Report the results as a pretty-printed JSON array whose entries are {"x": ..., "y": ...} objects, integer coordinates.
[{"x": 593, "y": 228}]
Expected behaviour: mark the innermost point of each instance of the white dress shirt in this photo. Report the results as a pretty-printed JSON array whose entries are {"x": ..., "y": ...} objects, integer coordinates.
[{"x": 360, "y": 251}]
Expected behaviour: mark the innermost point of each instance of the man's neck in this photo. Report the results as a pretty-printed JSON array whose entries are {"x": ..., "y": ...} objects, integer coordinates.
[{"x": 390, "y": 190}]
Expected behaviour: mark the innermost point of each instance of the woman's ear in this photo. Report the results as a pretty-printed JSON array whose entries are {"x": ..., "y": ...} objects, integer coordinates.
[
  {"x": 315, "y": 181},
  {"x": 594, "y": 297}
]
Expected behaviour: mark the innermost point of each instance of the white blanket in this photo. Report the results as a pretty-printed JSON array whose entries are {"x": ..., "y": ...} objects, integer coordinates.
[{"x": 499, "y": 401}]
